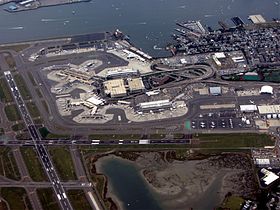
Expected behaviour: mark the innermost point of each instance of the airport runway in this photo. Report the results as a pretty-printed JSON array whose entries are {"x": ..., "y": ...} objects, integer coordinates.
[{"x": 41, "y": 150}]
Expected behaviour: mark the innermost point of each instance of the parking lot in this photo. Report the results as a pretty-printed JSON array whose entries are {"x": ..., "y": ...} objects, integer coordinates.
[{"x": 220, "y": 120}]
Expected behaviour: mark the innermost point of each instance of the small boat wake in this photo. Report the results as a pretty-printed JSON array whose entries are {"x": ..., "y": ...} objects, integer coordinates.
[
  {"x": 157, "y": 48},
  {"x": 209, "y": 15},
  {"x": 142, "y": 23},
  {"x": 16, "y": 28}
]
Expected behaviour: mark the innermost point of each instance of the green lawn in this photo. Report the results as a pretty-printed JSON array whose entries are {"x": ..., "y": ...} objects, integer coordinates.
[
  {"x": 32, "y": 79},
  {"x": 114, "y": 136},
  {"x": 33, "y": 110},
  {"x": 8, "y": 166},
  {"x": 78, "y": 200},
  {"x": 18, "y": 127},
  {"x": 47, "y": 135},
  {"x": 16, "y": 197},
  {"x": 39, "y": 93},
  {"x": 9, "y": 60},
  {"x": 63, "y": 162},
  {"x": 12, "y": 113},
  {"x": 48, "y": 199},
  {"x": 16, "y": 48},
  {"x": 45, "y": 106},
  {"x": 232, "y": 203},
  {"x": 33, "y": 164},
  {"x": 5, "y": 93},
  {"x": 2, "y": 132},
  {"x": 234, "y": 140},
  {"x": 22, "y": 87}
]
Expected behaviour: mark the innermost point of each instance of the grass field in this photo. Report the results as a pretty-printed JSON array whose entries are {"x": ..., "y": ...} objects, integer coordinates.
[
  {"x": 22, "y": 87},
  {"x": 12, "y": 113},
  {"x": 47, "y": 135},
  {"x": 16, "y": 197},
  {"x": 78, "y": 200},
  {"x": 5, "y": 93},
  {"x": 33, "y": 110},
  {"x": 18, "y": 127},
  {"x": 63, "y": 163},
  {"x": 33, "y": 164},
  {"x": 8, "y": 166},
  {"x": 23, "y": 136},
  {"x": 32, "y": 79},
  {"x": 2, "y": 132},
  {"x": 48, "y": 199},
  {"x": 16, "y": 48},
  {"x": 114, "y": 136},
  {"x": 234, "y": 140},
  {"x": 232, "y": 203},
  {"x": 3, "y": 206},
  {"x": 9, "y": 60},
  {"x": 46, "y": 106},
  {"x": 39, "y": 93}
]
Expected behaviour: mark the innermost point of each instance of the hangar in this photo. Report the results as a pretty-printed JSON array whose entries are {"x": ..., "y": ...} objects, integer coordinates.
[
  {"x": 266, "y": 89},
  {"x": 248, "y": 108}
]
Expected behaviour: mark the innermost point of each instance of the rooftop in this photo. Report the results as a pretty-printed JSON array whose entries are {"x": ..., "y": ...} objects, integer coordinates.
[
  {"x": 135, "y": 84},
  {"x": 115, "y": 87},
  {"x": 269, "y": 109}
]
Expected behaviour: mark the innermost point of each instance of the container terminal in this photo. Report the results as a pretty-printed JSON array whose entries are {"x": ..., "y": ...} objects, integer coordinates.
[{"x": 24, "y": 5}]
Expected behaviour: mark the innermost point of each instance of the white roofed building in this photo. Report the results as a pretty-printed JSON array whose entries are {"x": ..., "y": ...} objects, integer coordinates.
[
  {"x": 269, "y": 176},
  {"x": 155, "y": 105},
  {"x": 248, "y": 108},
  {"x": 266, "y": 89}
]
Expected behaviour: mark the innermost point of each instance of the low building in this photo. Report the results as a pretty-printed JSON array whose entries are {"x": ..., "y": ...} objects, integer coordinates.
[
  {"x": 268, "y": 177},
  {"x": 135, "y": 85},
  {"x": 266, "y": 89},
  {"x": 269, "y": 109},
  {"x": 262, "y": 162},
  {"x": 155, "y": 105},
  {"x": 95, "y": 101},
  {"x": 117, "y": 73},
  {"x": 248, "y": 108},
  {"x": 115, "y": 88},
  {"x": 257, "y": 19},
  {"x": 215, "y": 91}
]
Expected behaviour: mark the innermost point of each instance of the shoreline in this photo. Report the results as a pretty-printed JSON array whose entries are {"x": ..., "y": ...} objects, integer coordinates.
[
  {"x": 108, "y": 188},
  {"x": 182, "y": 193},
  {"x": 41, "y": 6}
]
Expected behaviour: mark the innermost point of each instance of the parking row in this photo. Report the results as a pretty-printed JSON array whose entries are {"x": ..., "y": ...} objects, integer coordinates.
[{"x": 221, "y": 123}]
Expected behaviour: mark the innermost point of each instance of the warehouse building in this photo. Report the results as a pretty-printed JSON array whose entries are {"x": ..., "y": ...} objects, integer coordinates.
[
  {"x": 215, "y": 91},
  {"x": 117, "y": 73},
  {"x": 248, "y": 108},
  {"x": 115, "y": 88},
  {"x": 269, "y": 109},
  {"x": 135, "y": 85},
  {"x": 266, "y": 89},
  {"x": 155, "y": 105}
]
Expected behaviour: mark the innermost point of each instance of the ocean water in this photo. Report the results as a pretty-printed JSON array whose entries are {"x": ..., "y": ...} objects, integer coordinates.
[
  {"x": 149, "y": 23},
  {"x": 129, "y": 186}
]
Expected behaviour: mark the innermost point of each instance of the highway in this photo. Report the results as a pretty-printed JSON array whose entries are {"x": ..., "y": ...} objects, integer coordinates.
[{"x": 41, "y": 150}]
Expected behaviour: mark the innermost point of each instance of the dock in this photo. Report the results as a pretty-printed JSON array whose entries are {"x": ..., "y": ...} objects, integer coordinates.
[
  {"x": 237, "y": 21},
  {"x": 257, "y": 19}
]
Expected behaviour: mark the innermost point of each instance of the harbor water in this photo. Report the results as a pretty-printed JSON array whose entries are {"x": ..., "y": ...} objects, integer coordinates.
[
  {"x": 149, "y": 23},
  {"x": 128, "y": 185}
]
